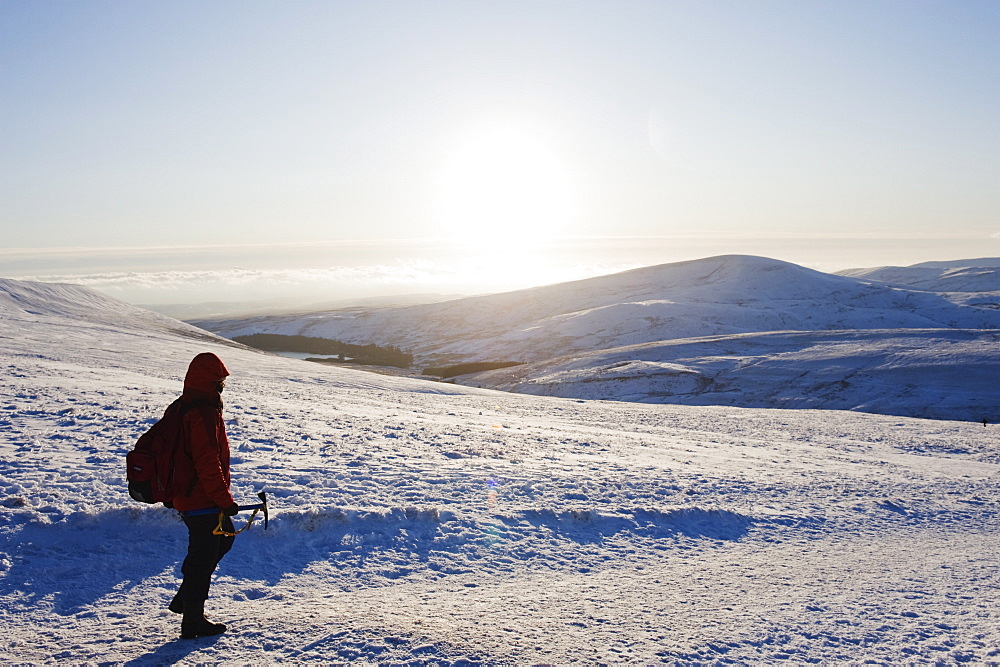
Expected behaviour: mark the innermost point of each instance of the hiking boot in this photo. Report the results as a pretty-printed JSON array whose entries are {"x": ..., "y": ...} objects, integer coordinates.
[
  {"x": 176, "y": 605},
  {"x": 201, "y": 628},
  {"x": 194, "y": 624}
]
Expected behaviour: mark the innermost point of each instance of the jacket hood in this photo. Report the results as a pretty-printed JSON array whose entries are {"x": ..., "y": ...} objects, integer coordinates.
[{"x": 205, "y": 373}]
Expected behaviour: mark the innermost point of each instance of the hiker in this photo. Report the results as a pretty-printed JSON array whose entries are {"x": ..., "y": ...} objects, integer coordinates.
[{"x": 209, "y": 493}]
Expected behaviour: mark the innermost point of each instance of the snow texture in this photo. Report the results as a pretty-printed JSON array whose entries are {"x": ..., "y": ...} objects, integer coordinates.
[
  {"x": 930, "y": 373},
  {"x": 425, "y": 523}
]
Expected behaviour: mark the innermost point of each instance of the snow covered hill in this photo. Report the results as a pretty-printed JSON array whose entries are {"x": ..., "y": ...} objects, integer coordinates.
[
  {"x": 965, "y": 282},
  {"x": 968, "y": 275},
  {"x": 579, "y": 337},
  {"x": 416, "y": 522},
  {"x": 230, "y": 309},
  {"x": 73, "y": 306},
  {"x": 981, "y": 262},
  {"x": 715, "y": 296}
]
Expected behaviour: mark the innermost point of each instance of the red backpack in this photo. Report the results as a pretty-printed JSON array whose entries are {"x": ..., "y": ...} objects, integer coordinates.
[{"x": 159, "y": 467}]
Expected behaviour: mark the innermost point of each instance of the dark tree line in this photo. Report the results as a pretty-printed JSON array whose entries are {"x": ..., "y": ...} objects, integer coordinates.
[
  {"x": 372, "y": 354},
  {"x": 471, "y": 367}
]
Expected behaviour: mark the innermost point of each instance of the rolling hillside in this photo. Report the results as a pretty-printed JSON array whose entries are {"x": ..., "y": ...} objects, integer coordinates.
[
  {"x": 930, "y": 373},
  {"x": 731, "y": 330},
  {"x": 981, "y": 276},
  {"x": 716, "y": 296}
]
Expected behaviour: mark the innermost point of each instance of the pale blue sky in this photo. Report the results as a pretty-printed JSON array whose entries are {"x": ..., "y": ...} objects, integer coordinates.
[{"x": 779, "y": 128}]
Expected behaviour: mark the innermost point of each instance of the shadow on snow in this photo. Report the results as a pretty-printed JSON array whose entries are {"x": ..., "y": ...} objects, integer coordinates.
[
  {"x": 68, "y": 564},
  {"x": 72, "y": 563}
]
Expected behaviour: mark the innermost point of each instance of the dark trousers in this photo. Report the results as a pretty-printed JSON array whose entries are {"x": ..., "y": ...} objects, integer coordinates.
[{"x": 205, "y": 550}]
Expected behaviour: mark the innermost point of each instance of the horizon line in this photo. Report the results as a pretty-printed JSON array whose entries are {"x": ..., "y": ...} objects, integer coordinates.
[{"x": 55, "y": 250}]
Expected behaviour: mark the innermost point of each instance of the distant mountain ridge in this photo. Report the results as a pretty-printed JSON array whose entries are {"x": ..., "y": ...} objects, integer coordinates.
[
  {"x": 731, "y": 330},
  {"x": 724, "y": 295},
  {"x": 982, "y": 262},
  {"x": 218, "y": 309},
  {"x": 979, "y": 276},
  {"x": 727, "y": 330}
]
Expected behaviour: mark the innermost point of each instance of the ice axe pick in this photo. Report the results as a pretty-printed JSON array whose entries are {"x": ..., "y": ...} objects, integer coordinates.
[{"x": 261, "y": 506}]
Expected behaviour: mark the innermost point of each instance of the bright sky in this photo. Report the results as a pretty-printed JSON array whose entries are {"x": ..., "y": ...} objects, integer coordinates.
[{"x": 191, "y": 151}]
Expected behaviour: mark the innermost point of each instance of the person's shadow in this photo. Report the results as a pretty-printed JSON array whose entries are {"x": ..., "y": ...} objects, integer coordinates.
[
  {"x": 172, "y": 652},
  {"x": 72, "y": 561}
]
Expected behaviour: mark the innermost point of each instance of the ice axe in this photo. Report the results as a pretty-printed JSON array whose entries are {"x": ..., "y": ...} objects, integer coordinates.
[{"x": 257, "y": 507}]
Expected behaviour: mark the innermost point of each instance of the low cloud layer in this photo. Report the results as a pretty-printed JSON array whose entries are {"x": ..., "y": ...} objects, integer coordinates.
[
  {"x": 317, "y": 284},
  {"x": 315, "y": 272},
  {"x": 253, "y": 284}
]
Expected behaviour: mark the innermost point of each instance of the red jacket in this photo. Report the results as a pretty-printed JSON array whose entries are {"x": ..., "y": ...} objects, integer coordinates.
[{"x": 206, "y": 435}]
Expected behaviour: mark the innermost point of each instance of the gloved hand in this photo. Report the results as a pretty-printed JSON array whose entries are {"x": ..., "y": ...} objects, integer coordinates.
[{"x": 232, "y": 510}]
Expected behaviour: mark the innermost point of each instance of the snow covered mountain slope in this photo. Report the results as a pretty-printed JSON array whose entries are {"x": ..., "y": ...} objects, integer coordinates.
[
  {"x": 982, "y": 275},
  {"x": 424, "y": 523},
  {"x": 638, "y": 335},
  {"x": 716, "y": 296},
  {"x": 991, "y": 262},
  {"x": 73, "y": 306},
  {"x": 930, "y": 373}
]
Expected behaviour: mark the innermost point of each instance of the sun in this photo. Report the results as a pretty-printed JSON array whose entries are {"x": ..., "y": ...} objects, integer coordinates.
[{"x": 503, "y": 186}]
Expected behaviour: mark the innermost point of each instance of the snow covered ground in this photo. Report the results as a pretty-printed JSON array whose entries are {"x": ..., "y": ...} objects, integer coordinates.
[
  {"x": 930, "y": 373},
  {"x": 423, "y": 522}
]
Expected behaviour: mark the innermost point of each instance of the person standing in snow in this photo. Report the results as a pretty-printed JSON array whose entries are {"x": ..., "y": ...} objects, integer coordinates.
[{"x": 208, "y": 448}]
